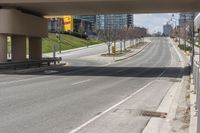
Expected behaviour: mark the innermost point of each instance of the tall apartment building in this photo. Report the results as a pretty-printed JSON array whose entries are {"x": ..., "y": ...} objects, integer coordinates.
[
  {"x": 130, "y": 20},
  {"x": 167, "y": 29},
  {"x": 186, "y": 18},
  {"x": 91, "y": 19},
  {"x": 114, "y": 21}
]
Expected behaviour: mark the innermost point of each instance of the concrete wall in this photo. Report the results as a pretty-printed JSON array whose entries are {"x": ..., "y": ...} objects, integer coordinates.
[{"x": 14, "y": 22}]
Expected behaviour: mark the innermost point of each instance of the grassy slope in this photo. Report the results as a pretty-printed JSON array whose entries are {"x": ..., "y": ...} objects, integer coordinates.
[{"x": 67, "y": 42}]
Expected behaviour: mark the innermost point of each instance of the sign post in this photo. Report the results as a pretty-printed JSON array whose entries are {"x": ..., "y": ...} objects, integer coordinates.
[
  {"x": 54, "y": 47},
  {"x": 113, "y": 52}
]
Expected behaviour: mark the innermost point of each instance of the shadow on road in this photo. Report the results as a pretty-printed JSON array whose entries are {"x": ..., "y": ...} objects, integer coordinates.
[{"x": 171, "y": 72}]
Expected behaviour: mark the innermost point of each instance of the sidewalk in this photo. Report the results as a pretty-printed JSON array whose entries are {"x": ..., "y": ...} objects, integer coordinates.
[
  {"x": 89, "y": 47},
  {"x": 113, "y": 59}
]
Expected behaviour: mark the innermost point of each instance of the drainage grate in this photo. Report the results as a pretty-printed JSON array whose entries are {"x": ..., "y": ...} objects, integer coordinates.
[{"x": 154, "y": 114}]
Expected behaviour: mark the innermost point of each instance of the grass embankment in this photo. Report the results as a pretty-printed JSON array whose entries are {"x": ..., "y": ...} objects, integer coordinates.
[
  {"x": 187, "y": 48},
  {"x": 67, "y": 42},
  {"x": 197, "y": 46}
]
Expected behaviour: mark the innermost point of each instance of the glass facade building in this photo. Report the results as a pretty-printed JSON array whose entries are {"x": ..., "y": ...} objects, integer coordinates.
[{"x": 114, "y": 21}]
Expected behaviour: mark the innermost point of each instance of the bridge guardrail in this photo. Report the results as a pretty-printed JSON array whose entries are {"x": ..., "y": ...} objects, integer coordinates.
[{"x": 29, "y": 63}]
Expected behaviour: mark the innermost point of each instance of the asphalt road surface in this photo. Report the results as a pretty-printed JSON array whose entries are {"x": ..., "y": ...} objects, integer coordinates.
[{"x": 62, "y": 101}]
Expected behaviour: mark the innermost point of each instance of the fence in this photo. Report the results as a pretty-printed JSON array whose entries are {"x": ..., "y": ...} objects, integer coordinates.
[{"x": 196, "y": 77}]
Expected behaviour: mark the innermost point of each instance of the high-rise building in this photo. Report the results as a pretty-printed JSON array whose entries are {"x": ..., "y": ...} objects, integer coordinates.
[
  {"x": 113, "y": 21},
  {"x": 186, "y": 18},
  {"x": 197, "y": 23},
  {"x": 167, "y": 29},
  {"x": 91, "y": 19},
  {"x": 130, "y": 21}
]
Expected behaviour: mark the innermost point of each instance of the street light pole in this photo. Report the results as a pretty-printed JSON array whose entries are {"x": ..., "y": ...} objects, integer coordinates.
[{"x": 193, "y": 42}]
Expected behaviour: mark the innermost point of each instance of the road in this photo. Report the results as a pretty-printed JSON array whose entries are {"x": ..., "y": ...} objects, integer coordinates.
[{"x": 62, "y": 101}]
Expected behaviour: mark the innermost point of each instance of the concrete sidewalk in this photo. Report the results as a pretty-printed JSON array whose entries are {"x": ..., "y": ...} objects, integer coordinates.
[
  {"x": 192, "y": 93},
  {"x": 113, "y": 59}
]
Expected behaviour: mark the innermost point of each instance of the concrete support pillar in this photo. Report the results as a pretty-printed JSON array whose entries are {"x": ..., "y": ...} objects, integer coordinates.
[
  {"x": 35, "y": 48},
  {"x": 3, "y": 48},
  {"x": 18, "y": 48}
]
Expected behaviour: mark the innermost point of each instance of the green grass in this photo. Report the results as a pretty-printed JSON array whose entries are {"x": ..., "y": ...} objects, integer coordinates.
[
  {"x": 67, "y": 42},
  {"x": 197, "y": 46},
  {"x": 182, "y": 47}
]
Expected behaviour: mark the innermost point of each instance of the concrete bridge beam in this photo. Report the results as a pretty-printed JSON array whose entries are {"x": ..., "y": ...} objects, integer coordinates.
[
  {"x": 20, "y": 25},
  {"x": 18, "y": 49},
  {"x": 35, "y": 48}
]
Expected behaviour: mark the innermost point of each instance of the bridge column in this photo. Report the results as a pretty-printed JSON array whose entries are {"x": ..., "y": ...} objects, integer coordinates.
[
  {"x": 18, "y": 48},
  {"x": 35, "y": 48},
  {"x": 3, "y": 48}
]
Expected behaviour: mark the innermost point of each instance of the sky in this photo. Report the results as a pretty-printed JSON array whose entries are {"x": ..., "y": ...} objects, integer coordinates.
[{"x": 153, "y": 22}]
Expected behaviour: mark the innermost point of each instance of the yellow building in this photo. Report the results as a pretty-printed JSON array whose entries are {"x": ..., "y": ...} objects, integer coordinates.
[{"x": 67, "y": 24}]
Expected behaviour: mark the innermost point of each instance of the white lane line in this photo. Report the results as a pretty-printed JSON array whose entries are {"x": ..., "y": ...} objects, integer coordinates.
[
  {"x": 35, "y": 78},
  {"x": 21, "y": 80},
  {"x": 114, "y": 106},
  {"x": 80, "y": 82},
  {"x": 109, "y": 109}
]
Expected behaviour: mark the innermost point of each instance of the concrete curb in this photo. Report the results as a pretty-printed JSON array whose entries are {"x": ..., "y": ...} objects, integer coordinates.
[
  {"x": 193, "y": 111},
  {"x": 133, "y": 54},
  {"x": 34, "y": 70}
]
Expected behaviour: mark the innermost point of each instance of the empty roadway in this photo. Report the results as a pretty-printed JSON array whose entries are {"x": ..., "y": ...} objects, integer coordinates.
[{"x": 60, "y": 102}]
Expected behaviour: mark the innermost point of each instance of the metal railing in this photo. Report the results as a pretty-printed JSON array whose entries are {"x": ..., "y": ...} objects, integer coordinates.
[
  {"x": 196, "y": 78},
  {"x": 29, "y": 63}
]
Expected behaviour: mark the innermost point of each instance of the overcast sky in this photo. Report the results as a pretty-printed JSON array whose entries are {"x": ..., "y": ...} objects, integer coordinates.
[{"x": 153, "y": 22}]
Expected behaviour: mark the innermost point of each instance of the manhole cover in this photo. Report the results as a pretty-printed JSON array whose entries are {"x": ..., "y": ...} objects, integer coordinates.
[{"x": 154, "y": 114}]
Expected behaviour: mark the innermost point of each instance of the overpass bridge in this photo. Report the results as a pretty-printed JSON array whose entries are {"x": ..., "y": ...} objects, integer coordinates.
[{"x": 22, "y": 19}]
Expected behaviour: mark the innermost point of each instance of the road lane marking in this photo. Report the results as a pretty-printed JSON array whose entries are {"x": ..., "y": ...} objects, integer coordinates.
[
  {"x": 21, "y": 80},
  {"x": 114, "y": 106},
  {"x": 43, "y": 77},
  {"x": 109, "y": 109},
  {"x": 80, "y": 82}
]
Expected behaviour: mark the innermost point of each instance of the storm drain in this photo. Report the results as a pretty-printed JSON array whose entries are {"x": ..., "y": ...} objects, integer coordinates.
[
  {"x": 154, "y": 114},
  {"x": 138, "y": 112}
]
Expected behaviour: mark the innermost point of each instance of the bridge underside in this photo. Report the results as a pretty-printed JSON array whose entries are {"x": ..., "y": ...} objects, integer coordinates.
[
  {"x": 86, "y": 7},
  {"x": 23, "y": 19}
]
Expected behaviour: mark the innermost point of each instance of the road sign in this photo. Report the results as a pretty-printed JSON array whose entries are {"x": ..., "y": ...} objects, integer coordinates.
[{"x": 113, "y": 50}]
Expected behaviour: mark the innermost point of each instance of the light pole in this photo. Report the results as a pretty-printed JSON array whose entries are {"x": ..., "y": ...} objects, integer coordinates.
[
  {"x": 175, "y": 20},
  {"x": 193, "y": 41},
  {"x": 58, "y": 34}
]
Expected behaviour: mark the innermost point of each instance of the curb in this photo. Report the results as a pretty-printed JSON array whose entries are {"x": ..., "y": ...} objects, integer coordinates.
[
  {"x": 34, "y": 70},
  {"x": 193, "y": 112},
  {"x": 133, "y": 54}
]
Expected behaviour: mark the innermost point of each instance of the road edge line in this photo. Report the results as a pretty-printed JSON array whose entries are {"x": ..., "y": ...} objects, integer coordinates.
[{"x": 109, "y": 109}]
